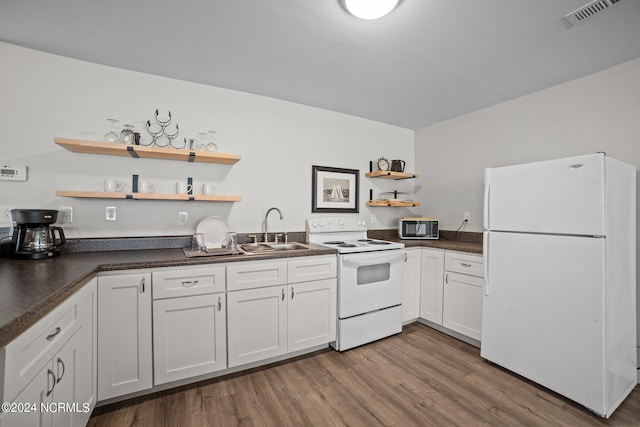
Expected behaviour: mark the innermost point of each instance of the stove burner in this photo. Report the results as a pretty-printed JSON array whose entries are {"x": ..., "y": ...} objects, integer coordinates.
[
  {"x": 347, "y": 245},
  {"x": 334, "y": 242},
  {"x": 379, "y": 242}
]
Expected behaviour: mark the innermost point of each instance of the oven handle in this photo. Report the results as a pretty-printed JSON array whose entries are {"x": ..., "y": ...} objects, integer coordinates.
[{"x": 358, "y": 260}]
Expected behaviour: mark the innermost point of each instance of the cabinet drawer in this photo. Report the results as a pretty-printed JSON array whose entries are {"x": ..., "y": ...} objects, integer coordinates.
[
  {"x": 28, "y": 353},
  {"x": 308, "y": 269},
  {"x": 256, "y": 274},
  {"x": 188, "y": 282},
  {"x": 464, "y": 263}
]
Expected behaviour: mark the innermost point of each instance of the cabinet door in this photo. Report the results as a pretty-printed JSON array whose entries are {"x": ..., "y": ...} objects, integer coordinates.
[
  {"x": 431, "y": 283},
  {"x": 189, "y": 337},
  {"x": 463, "y": 304},
  {"x": 38, "y": 391},
  {"x": 124, "y": 334},
  {"x": 411, "y": 294},
  {"x": 311, "y": 314},
  {"x": 257, "y": 324},
  {"x": 65, "y": 368}
]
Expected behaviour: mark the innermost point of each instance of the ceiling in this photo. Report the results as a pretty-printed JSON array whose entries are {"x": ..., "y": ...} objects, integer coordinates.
[{"x": 425, "y": 62}]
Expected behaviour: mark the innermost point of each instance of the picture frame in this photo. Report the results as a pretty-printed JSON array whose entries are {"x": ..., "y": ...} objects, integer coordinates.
[{"x": 335, "y": 190}]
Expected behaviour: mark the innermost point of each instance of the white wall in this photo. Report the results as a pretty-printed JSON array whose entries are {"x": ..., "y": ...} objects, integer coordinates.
[
  {"x": 45, "y": 96},
  {"x": 599, "y": 112}
]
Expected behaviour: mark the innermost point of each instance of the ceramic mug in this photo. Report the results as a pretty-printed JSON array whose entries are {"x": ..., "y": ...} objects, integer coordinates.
[
  {"x": 147, "y": 187},
  {"x": 208, "y": 188},
  {"x": 112, "y": 185},
  {"x": 183, "y": 187}
]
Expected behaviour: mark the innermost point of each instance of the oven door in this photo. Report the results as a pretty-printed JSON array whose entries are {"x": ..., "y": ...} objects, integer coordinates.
[{"x": 369, "y": 281}]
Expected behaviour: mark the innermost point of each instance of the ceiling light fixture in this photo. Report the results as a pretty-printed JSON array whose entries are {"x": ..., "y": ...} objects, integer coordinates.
[{"x": 369, "y": 9}]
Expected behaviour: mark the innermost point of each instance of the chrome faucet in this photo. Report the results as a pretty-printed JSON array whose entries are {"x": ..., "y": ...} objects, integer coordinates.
[{"x": 266, "y": 235}]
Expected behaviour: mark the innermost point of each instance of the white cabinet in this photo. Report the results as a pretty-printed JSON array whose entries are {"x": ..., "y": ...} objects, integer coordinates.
[
  {"x": 462, "y": 301},
  {"x": 124, "y": 334},
  {"x": 269, "y": 321},
  {"x": 431, "y": 285},
  {"x": 411, "y": 294},
  {"x": 53, "y": 363},
  {"x": 189, "y": 323}
]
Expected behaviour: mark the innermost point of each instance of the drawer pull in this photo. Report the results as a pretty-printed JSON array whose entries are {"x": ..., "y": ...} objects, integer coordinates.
[
  {"x": 53, "y": 335},
  {"x": 50, "y": 375},
  {"x": 142, "y": 282},
  {"x": 219, "y": 303},
  {"x": 282, "y": 294},
  {"x": 189, "y": 283},
  {"x": 60, "y": 363},
  {"x": 464, "y": 264},
  {"x": 292, "y": 293},
  {"x": 446, "y": 278}
]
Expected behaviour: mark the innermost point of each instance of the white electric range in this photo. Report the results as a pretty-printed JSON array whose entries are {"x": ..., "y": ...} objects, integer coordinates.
[{"x": 370, "y": 280}]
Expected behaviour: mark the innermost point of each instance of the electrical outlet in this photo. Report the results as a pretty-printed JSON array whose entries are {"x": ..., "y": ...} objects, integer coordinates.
[
  {"x": 183, "y": 218},
  {"x": 65, "y": 215},
  {"x": 467, "y": 217},
  {"x": 110, "y": 213},
  {"x": 5, "y": 214}
]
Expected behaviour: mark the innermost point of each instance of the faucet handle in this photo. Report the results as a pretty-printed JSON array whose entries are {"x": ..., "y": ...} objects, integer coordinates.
[
  {"x": 253, "y": 237},
  {"x": 276, "y": 237},
  {"x": 286, "y": 237}
]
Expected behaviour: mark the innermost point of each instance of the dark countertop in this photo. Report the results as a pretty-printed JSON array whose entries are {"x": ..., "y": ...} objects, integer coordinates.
[{"x": 29, "y": 289}]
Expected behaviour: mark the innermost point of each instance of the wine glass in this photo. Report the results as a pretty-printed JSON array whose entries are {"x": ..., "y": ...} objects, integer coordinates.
[
  {"x": 112, "y": 136},
  {"x": 211, "y": 146},
  {"x": 127, "y": 135}
]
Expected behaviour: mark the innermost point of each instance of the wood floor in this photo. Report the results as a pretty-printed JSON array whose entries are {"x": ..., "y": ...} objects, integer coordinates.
[{"x": 420, "y": 377}]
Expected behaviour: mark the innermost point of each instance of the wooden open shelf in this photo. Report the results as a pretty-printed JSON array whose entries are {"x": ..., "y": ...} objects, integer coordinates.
[
  {"x": 391, "y": 175},
  {"x": 386, "y": 203},
  {"x": 147, "y": 196},
  {"x": 141, "y": 151}
]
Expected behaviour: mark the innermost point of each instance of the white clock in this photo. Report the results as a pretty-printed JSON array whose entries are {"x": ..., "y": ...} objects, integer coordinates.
[{"x": 383, "y": 164}]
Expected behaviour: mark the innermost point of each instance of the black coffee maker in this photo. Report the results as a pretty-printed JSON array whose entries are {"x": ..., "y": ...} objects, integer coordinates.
[{"x": 33, "y": 235}]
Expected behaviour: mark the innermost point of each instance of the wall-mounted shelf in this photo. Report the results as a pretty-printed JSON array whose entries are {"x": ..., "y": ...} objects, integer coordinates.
[
  {"x": 391, "y": 175},
  {"x": 387, "y": 203},
  {"x": 147, "y": 196},
  {"x": 140, "y": 151}
]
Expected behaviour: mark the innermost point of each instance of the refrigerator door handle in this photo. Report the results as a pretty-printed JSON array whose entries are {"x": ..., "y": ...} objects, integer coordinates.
[
  {"x": 487, "y": 184},
  {"x": 485, "y": 251}
]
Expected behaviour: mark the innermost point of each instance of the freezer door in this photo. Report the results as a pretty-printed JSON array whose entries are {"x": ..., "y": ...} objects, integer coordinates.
[
  {"x": 564, "y": 196},
  {"x": 543, "y": 311}
]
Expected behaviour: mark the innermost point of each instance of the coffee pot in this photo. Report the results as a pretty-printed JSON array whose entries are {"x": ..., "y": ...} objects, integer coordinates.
[
  {"x": 33, "y": 235},
  {"x": 397, "y": 165}
]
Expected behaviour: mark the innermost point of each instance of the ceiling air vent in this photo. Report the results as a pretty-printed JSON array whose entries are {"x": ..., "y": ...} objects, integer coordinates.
[{"x": 588, "y": 10}]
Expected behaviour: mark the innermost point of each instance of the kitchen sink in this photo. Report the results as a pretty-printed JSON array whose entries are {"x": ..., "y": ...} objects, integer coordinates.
[{"x": 258, "y": 248}]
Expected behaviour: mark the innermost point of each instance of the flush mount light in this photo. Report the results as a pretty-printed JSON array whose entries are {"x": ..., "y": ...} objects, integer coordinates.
[{"x": 369, "y": 9}]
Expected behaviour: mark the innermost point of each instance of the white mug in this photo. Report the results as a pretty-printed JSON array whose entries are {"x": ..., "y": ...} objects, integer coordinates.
[
  {"x": 208, "y": 188},
  {"x": 112, "y": 185},
  {"x": 183, "y": 187},
  {"x": 147, "y": 187}
]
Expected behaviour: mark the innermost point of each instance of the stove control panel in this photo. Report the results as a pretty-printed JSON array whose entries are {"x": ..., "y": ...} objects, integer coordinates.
[{"x": 327, "y": 225}]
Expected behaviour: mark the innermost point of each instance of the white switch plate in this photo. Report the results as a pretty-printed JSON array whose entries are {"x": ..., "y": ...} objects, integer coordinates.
[
  {"x": 183, "y": 218},
  {"x": 5, "y": 214},
  {"x": 65, "y": 215},
  {"x": 110, "y": 213}
]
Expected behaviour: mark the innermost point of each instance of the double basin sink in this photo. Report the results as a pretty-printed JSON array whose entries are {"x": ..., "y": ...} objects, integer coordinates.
[{"x": 261, "y": 248}]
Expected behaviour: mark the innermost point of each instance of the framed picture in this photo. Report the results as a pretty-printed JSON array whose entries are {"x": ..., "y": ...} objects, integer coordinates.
[{"x": 334, "y": 190}]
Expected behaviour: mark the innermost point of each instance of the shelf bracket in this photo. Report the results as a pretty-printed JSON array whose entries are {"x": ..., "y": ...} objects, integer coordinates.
[
  {"x": 192, "y": 156},
  {"x": 132, "y": 152},
  {"x": 129, "y": 196},
  {"x": 191, "y": 198}
]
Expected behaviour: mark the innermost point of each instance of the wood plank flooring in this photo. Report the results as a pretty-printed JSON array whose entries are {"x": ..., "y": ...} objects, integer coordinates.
[{"x": 420, "y": 377}]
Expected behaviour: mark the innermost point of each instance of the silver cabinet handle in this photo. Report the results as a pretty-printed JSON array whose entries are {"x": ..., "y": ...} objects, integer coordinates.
[
  {"x": 292, "y": 293},
  {"x": 464, "y": 264},
  {"x": 282, "y": 294},
  {"x": 50, "y": 374},
  {"x": 60, "y": 362},
  {"x": 142, "y": 282},
  {"x": 189, "y": 283},
  {"x": 53, "y": 335},
  {"x": 219, "y": 303}
]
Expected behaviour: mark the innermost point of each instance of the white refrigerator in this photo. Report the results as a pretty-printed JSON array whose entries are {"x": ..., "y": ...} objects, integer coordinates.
[{"x": 559, "y": 305}]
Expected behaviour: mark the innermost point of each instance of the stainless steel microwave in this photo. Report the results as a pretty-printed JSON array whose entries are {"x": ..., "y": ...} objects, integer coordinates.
[{"x": 418, "y": 228}]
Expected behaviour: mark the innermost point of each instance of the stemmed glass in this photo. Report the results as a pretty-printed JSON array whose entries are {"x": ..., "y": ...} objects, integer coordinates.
[
  {"x": 211, "y": 146},
  {"x": 127, "y": 136},
  {"x": 112, "y": 136}
]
